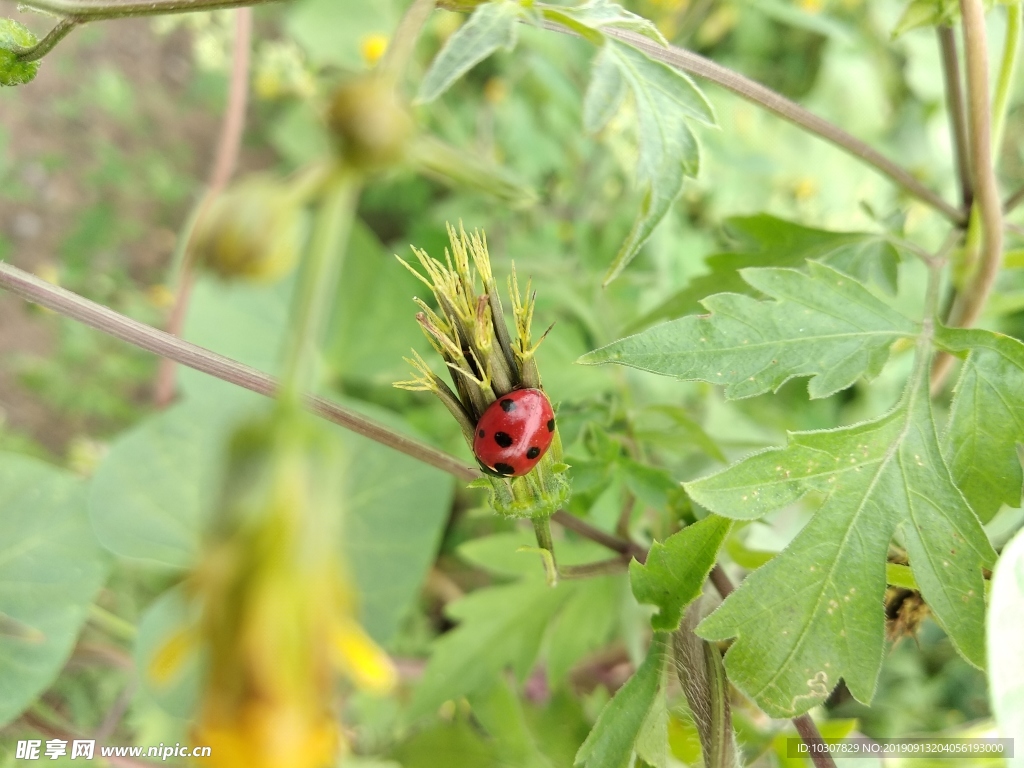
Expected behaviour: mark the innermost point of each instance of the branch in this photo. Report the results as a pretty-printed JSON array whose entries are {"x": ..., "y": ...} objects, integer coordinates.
[
  {"x": 788, "y": 110},
  {"x": 225, "y": 161},
  {"x": 957, "y": 112},
  {"x": 82, "y": 11},
  {"x": 972, "y": 300},
  {"x": 48, "y": 43}
]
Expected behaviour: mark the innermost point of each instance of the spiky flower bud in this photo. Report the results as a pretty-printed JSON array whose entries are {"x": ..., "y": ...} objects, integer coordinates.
[{"x": 467, "y": 328}]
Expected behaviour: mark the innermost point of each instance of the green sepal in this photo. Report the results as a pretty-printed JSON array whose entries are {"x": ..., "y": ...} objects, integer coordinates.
[{"x": 14, "y": 37}]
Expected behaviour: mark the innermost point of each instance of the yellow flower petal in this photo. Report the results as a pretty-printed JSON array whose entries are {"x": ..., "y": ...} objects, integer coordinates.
[
  {"x": 360, "y": 658},
  {"x": 372, "y": 48}
]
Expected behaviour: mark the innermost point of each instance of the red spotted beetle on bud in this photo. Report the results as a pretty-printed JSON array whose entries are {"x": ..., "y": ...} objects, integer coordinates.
[{"x": 514, "y": 433}]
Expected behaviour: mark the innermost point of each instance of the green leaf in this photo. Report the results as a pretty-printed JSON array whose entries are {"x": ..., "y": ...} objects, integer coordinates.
[
  {"x": 164, "y": 619},
  {"x": 14, "y": 36},
  {"x": 927, "y": 13},
  {"x": 599, "y": 14},
  {"x": 652, "y": 741},
  {"x": 610, "y": 743},
  {"x": 499, "y": 628},
  {"x": 491, "y": 27},
  {"x": 823, "y": 324},
  {"x": 500, "y": 712},
  {"x": 50, "y": 571},
  {"x": 814, "y": 614},
  {"x": 585, "y": 625},
  {"x": 605, "y": 92},
  {"x": 1005, "y": 630},
  {"x": 665, "y": 98},
  {"x": 150, "y": 496},
  {"x": 986, "y": 421},
  {"x": 767, "y": 241},
  {"x": 676, "y": 569},
  {"x": 331, "y": 32}
]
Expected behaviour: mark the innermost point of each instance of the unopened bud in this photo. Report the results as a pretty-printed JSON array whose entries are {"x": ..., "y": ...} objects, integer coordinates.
[
  {"x": 369, "y": 123},
  {"x": 14, "y": 37}
]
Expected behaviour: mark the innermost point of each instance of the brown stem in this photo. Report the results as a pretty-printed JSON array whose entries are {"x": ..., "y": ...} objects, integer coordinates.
[
  {"x": 48, "y": 43},
  {"x": 972, "y": 300},
  {"x": 225, "y": 161},
  {"x": 96, "y": 10},
  {"x": 788, "y": 110},
  {"x": 957, "y": 112},
  {"x": 812, "y": 738}
]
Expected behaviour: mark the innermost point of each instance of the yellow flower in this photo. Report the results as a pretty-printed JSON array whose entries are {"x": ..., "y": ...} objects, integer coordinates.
[
  {"x": 372, "y": 48},
  {"x": 276, "y": 615}
]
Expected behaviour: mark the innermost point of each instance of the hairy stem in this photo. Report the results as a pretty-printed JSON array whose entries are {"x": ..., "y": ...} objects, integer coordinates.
[
  {"x": 225, "y": 161},
  {"x": 82, "y": 11},
  {"x": 957, "y": 112},
  {"x": 59, "y": 32},
  {"x": 972, "y": 301},
  {"x": 788, "y": 110}
]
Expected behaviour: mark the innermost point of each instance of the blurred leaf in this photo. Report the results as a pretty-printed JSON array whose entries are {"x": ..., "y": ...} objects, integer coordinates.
[
  {"x": 460, "y": 169},
  {"x": 604, "y": 94},
  {"x": 152, "y": 493},
  {"x": 1005, "y": 630},
  {"x": 767, "y": 241},
  {"x": 822, "y": 324},
  {"x": 665, "y": 98},
  {"x": 610, "y": 743},
  {"x": 985, "y": 425},
  {"x": 652, "y": 486},
  {"x": 164, "y": 620},
  {"x": 927, "y": 13},
  {"x": 597, "y": 14},
  {"x": 499, "y": 628},
  {"x": 448, "y": 745},
  {"x": 50, "y": 571},
  {"x": 500, "y": 712},
  {"x": 677, "y": 568},
  {"x": 585, "y": 625},
  {"x": 491, "y": 27},
  {"x": 814, "y": 613}
]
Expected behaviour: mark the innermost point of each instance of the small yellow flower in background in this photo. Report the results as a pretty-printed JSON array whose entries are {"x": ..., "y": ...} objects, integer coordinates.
[
  {"x": 160, "y": 296},
  {"x": 805, "y": 188},
  {"x": 811, "y": 6},
  {"x": 281, "y": 71},
  {"x": 495, "y": 90},
  {"x": 276, "y": 613},
  {"x": 372, "y": 48}
]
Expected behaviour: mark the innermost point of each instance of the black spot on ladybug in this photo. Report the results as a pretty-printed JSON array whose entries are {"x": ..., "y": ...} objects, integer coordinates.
[
  {"x": 508, "y": 405},
  {"x": 504, "y": 469},
  {"x": 533, "y": 453},
  {"x": 482, "y": 433},
  {"x": 551, "y": 425},
  {"x": 488, "y": 471},
  {"x": 503, "y": 439}
]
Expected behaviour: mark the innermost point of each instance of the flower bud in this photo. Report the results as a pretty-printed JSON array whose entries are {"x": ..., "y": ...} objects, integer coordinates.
[
  {"x": 254, "y": 230},
  {"x": 369, "y": 123},
  {"x": 14, "y": 36}
]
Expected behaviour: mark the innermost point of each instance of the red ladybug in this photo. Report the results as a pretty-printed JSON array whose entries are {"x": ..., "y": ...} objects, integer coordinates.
[{"x": 514, "y": 433}]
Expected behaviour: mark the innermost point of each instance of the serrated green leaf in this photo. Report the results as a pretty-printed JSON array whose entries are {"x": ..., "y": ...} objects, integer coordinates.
[
  {"x": 1005, "y": 630},
  {"x": 610, "y": 743},
  {"x": 676, "y": 569},
  {"x": 491, "y": 27},
  {"x": 986, "y": 420},
  {"x": 665, "y": 98},
  {"x": 767, "y": 241},
  {"x": 652, "y": 741},
  {"x": 499, "y": 628},
  {"x": 605, "y": 92},
  {"x": 599, "y": 14},
  {"x": 814, "y": 613},
  {"x": 822, "y": 324},
  {"x": 50, "y": 570}
]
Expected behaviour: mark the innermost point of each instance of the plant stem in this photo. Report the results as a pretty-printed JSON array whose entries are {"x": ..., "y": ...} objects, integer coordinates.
[
  {"x": 812, "y": 738},
  {"x": 106, "y": 320},
  {"x": 403, "y": 42},
  {"x": 973, "y": 300},
  {"x": 599, "y": 568},
  {"x": 957, "y": 112},
  {"x": 542, "y": 527},
  {"x": 788, "y": 110},
  {"x": 1007, "y": 73},
  {"x": 112, "y": 623},
  {"x": 225, "y": 161},
  {"x": 318, "y": 284},
  {"x": 82, "y": 11},
  {"x": 48, "y": 43}
]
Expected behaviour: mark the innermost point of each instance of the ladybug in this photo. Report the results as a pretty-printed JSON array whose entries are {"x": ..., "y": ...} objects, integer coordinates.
[{"x": 514, "y": 433}]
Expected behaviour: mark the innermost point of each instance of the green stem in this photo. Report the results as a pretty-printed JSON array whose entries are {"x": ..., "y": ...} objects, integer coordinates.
[
  {"x": 542, "y": 527},
  {"x": 112, "y": 624},
  {"x": 403, "y": 42},
  {"x": 1007, "y": 72},
  {"x": 48, "y": 43},
  {"x": 318, "y": 284}
]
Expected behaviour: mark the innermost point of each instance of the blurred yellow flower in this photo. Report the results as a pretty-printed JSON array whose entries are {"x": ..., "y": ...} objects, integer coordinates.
[{"x": 372, "y": 48}]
